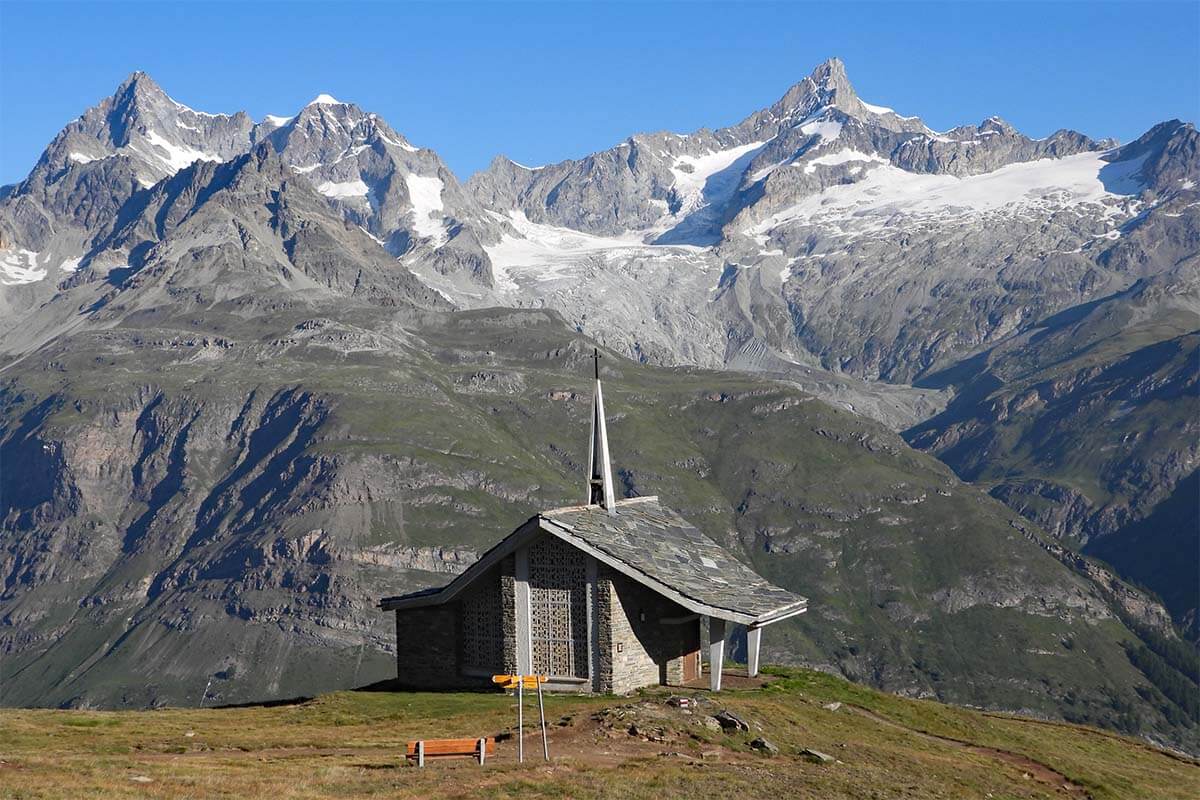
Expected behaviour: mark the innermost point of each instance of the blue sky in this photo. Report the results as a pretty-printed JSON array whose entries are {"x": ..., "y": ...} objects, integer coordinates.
[{"x": 540, "y": 83}]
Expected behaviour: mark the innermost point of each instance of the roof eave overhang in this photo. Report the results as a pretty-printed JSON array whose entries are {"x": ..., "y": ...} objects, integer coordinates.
[
  {"x": 485, "y": 562},
  {"x": 780, "y": 614}
]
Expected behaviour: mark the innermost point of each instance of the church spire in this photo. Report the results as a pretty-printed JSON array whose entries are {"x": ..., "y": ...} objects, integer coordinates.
[{"x": 600, "y": 485}]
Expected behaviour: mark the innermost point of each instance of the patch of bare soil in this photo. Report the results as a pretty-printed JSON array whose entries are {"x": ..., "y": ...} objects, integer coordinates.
[
  {"x": 735, "y": 678},
  {"x": 677, "y": 727}
]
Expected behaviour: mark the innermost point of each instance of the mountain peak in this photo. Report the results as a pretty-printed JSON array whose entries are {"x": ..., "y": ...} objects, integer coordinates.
[
  {"x": 997, "y": 124},
  {"x": 137, "y": 77},
  {"x": 827, "y": 86},
  {"x": 830, "y": 72},
  {"x": 325, "y": 100},
  {"x": 138, "y": 84}
]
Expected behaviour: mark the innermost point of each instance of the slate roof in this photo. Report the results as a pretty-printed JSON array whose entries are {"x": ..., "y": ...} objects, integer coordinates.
[
  {"x": 653, "y": 540},
  {"x": 651, "y": 544}
]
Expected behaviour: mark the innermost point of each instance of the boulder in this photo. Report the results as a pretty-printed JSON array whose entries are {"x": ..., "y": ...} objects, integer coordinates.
[
  {"x": 817, "y": 755},
  {"x": 731, "y": 721},
  {"x": 764, "y": 746}
]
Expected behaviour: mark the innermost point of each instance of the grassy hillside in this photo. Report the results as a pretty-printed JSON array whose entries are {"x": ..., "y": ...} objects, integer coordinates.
[
  {"x": 220, "y": 511},
  {"x": 1090, "y": 426},
  {"x": 351, "y": 744}
]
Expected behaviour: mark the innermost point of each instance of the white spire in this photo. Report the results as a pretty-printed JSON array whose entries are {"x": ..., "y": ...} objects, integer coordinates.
[{"x": 600, "y": 485}]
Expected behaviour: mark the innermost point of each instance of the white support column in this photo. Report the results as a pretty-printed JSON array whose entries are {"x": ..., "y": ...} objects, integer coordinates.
[
  {"x": 592, "y": 570},
  {"x": 521, "y": 607},
  {"x": 753, "y": 639},
  {"x": 716, "y": 652}
]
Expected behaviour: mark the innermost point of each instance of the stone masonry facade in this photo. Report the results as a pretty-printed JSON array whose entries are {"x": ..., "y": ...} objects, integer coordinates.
[
  {"x": 636, "y": 647},
  {"x": 640, "y": 638},
  {"x": 435, "y": 652},
  {"x": 426, "y": 642}
]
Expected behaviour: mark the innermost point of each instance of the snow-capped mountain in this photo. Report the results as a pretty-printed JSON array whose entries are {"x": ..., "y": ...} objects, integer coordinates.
[
  {"x": 770, "y": 244},
  {"x": 402, "y": 195},
  {"x": 831, "y": 228},
  {"x": 52, "y": 223},
  {"x": 155, "y": 134},
  {"x": 673, "y": 188},
  {"x": 822, "y": 231}
]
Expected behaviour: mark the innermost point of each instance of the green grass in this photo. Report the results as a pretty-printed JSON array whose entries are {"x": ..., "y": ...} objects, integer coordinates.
[{"x": 348, "y": 744}]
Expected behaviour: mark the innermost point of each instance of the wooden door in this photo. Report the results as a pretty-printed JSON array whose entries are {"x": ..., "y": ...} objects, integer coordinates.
[{"x": 691, "y": 667}]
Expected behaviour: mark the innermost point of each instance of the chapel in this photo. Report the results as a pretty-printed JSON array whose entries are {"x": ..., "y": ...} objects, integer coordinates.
[{"x": 607, "y": 596}]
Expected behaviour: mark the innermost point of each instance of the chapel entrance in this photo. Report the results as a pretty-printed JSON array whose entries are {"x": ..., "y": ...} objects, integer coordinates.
[
  {"x": 691, "y": 667},
  {"x": 558, "y": 609}
]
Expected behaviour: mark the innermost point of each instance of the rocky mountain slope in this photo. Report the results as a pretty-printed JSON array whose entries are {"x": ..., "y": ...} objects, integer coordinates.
[
  {"x": 1120, "y": 374},
  {"x": 255, "y": 376},
  {"x": 100, "y": 168},
  {"x": 227, "y": 502}
]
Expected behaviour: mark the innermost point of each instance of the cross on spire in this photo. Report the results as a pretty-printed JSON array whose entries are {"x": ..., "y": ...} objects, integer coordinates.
[{"x": 600, "y": 485}]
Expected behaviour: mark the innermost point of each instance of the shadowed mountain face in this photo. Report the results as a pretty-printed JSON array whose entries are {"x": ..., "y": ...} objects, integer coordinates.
[
  {"x": 259, "y": 374},
  {"x": 1090, "y": 425}
]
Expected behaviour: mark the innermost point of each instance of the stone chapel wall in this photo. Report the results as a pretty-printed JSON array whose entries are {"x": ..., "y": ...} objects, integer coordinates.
[
  {"x": 427, "y": 647},
  {"x": 636, "y": 652},
  {"x": 463, "y": 643}
]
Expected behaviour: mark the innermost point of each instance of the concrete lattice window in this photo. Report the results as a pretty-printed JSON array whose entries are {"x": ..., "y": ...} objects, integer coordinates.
[
  {"x": 482, "y": 628},
  {"x": 558, "y": 609}
]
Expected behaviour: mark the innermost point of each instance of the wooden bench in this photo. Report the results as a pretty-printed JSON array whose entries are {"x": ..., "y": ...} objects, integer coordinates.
[{"x": 451, "y": 748}]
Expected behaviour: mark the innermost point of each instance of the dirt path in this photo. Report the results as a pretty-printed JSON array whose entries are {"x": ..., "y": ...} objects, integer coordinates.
[
  {"x": 1125, "y": 741},
  {"x": 1035, "y": 769}
]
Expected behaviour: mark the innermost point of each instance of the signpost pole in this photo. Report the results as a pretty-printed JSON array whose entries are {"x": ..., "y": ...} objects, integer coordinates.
[
  {"x": 542, "y": 714},
  {"x": 521, "y": 719}
]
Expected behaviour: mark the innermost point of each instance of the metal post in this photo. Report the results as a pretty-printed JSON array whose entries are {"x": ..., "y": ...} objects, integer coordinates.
[
  {"x": 421, "y": 753},
  {"x": 542, "y": 714},
  {"x": 521, "y": 719},
  {"x": 482, "y": 750}
]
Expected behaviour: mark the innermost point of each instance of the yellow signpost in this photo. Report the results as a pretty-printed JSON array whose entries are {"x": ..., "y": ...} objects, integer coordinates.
[
  {"x": 510, "y": 681},
  {"x": 520, "y": 683}
]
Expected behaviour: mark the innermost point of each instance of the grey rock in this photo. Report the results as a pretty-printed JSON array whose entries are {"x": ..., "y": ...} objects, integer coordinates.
[
  {"x": 817, "y": 756},
  {"x": 763, "y": 745},
  {"x": 731, "y": 721}
]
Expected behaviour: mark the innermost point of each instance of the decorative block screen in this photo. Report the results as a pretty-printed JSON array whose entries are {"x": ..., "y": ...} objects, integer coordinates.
[
  {"x": 482, "y": 626},
  {"x": 558, "y": 609}
]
